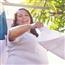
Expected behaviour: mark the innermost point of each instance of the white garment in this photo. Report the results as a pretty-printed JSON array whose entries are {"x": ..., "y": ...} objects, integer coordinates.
[{"x": 26, "y": 50}]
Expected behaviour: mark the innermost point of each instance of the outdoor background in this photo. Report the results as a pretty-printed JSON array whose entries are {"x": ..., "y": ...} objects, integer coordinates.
[{"x": 50, "y": 12}]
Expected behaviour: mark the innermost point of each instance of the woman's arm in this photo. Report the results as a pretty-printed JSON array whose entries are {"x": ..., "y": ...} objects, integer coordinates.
[{"x": 18, "y": 30}]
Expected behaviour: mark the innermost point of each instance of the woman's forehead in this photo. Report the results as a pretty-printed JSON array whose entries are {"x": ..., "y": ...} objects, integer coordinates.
[{"x": 22, "y": 12}]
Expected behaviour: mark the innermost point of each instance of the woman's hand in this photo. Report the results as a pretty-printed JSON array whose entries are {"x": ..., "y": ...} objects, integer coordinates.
[{"x": 37, "y": 25}]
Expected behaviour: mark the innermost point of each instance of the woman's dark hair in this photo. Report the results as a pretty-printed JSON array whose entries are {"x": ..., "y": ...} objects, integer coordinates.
[{"x": 33, "y": 31}]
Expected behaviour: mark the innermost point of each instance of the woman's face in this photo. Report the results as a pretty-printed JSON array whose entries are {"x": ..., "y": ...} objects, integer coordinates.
[{"x": 23, "y": 17}]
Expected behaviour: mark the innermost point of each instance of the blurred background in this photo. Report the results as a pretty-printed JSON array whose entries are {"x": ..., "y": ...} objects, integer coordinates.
[{"x": 50, "y": 12}]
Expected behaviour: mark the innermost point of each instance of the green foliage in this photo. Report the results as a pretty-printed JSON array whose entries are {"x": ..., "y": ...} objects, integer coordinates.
[{"x": 53, "y": 16}]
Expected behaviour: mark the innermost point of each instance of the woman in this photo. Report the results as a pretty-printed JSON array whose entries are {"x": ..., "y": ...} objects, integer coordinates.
[{"x": 23, "y": 47}]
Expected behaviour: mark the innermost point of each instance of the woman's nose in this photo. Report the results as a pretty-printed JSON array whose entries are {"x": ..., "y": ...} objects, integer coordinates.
[{"x": 23, "y": 17}]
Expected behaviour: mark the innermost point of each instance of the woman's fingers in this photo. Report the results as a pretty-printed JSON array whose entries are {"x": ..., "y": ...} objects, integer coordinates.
[{"x": 38, "y": 25}]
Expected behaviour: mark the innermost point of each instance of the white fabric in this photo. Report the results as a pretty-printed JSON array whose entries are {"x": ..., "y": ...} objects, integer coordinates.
[
  {"x": 53, "y": 41},
  {"x": 26, "y": 50},
  {"x": 45, "y": 34},
  {"x": 2, "y": 46},
  {"x": 2, "y": 50}
]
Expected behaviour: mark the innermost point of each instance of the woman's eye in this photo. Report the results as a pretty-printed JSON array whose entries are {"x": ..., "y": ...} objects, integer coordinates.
[
  {"x": 26, "y": 15},
  {"x": 20, "y": 15}
]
